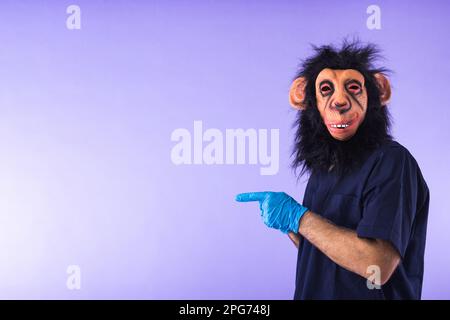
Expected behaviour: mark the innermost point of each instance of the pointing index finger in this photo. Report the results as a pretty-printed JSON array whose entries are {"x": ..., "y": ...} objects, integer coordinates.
[{"x": 251, "y": 196}]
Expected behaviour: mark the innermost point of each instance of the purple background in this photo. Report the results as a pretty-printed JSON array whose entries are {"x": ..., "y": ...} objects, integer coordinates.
[{"x": 85, "y": 122}]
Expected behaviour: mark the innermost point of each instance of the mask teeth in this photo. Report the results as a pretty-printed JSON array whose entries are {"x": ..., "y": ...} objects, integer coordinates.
[{"x": 340, "y": 125}]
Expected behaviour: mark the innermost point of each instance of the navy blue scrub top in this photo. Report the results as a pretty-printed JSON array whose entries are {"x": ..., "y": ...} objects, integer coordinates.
[{"x": 386, "y": 198}]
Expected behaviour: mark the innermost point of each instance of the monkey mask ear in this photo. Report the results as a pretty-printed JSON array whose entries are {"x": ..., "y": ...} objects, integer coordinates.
[
  {"x": 385, "y": 88},
  {"x": 297, "y": 93}
]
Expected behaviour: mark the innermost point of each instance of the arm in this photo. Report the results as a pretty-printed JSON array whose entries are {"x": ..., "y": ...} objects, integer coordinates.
[
  {"x": 295, "y": 238},
  {"x": 346, "y": 249},
  {"x": 343, "y": 246}
]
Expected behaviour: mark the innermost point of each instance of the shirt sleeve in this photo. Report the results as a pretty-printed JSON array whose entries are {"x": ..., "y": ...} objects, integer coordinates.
[{"x": 390, "y": 198}]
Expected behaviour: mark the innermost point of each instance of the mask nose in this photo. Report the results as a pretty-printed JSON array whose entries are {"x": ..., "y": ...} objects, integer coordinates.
[
  {"x": 341, "y": 107},
  {"x": 341, "y": 104}
]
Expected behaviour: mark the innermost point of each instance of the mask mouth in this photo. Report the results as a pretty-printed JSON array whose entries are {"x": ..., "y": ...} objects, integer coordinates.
[{"x": 341, "y": 125}]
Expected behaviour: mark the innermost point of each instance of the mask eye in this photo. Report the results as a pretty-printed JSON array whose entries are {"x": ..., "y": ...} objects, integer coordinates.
[
  {"x": 325, "y": 89},
  {"x": 354, "y": 88}
]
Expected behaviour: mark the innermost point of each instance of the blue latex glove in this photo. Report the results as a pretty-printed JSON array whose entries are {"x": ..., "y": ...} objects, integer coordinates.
[{"x": 278, "y": 210}]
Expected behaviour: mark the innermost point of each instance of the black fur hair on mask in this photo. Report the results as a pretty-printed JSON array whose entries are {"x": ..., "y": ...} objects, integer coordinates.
[{"x": 315, "y": 148}]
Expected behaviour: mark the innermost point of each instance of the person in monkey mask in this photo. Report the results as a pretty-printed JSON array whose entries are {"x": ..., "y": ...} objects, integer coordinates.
[{"x": 361, "y": 228}]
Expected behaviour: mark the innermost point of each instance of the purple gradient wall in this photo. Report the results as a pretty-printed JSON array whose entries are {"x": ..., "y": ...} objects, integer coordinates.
[{"x": 86, "y": 117}]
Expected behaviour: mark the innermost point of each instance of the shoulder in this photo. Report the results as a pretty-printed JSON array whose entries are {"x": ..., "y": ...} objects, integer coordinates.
[
  {"x": 393, "y": 161},
  {"x": 392, "y": 152},
  {"x": 389, "y": 161}
]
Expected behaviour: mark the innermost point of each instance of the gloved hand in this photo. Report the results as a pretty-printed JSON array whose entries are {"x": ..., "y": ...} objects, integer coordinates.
[{"x": 278, "y": 210}]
